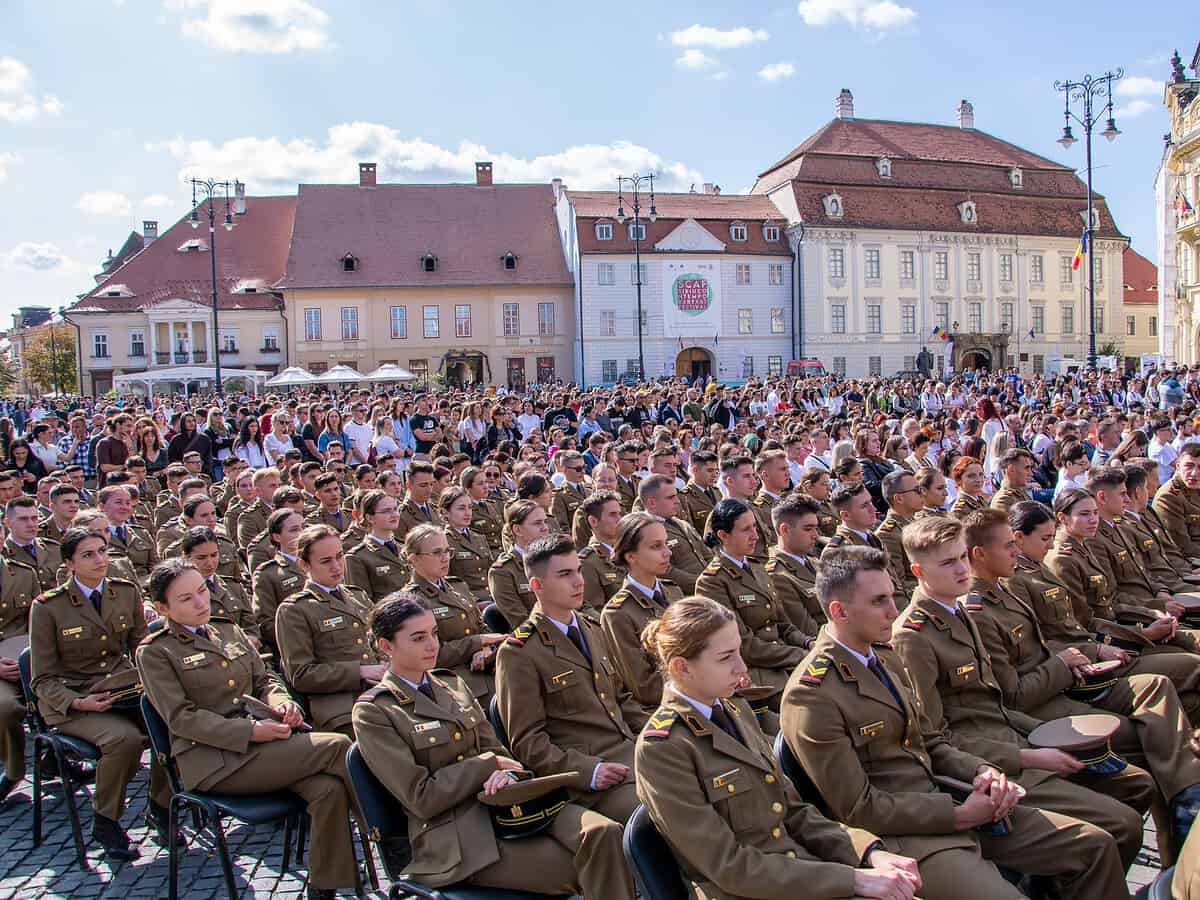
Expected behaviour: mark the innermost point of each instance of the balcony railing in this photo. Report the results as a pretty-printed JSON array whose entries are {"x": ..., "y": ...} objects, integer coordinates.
[
  {"x": 269, "y": 348},
  {"x": 180, "y": 357},
  {"x": 228, "y": 351}
]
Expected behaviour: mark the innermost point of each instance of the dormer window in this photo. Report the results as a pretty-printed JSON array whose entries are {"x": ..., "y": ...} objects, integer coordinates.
[
  {"x": 349, "y": 263},
  {"x": 1016, "y": 177},
  {"x": 771, "y": 233},
  {"x": 833, "y": 205},
  {"x": 636, "y": 232},
  {"x": 883, "y": 166},
  {"x": 967, "y": 212},
  {"x": 1095, "y": 217},
  {"x": 250, "y": 286},
  {"x": 737, "y": 232},
  {"x": 429, "y": 263},
  {"x": 604, "y": 231},
  {"x": 510, "y": 261},
  {"x": 195, "y": 245}
]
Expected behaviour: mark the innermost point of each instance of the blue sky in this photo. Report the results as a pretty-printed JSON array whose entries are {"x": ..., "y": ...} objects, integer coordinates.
[{"x": 106, "y": 105}]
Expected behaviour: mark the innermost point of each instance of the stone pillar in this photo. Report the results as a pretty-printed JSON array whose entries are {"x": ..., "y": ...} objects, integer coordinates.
[
  {"x": 153, "y": 344},
  {"x": 191, "y": 343}
]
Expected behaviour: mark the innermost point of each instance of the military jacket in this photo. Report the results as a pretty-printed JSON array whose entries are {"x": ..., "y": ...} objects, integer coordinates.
[
  {"x": 689, "y": 554},
  {"x": 18, "y": 588},
  {"x": 49, "y": 558},
  {"x": 460, "y": 627},
  {"x": 624, "y": 617},
  {"x": 966, "y": 503},
  {"x": 274, "y": 581},
  {"x": 601, "y": 578},
  {"x": 567, "y": 499},
  {"x": 470, "y": 558},
  {"x": 412, "y": 515},
  {"x": 375, "y": 569},
  {"x": 251, "y": 522},
  {"x": 698, "y": 503},
  {"x": 890, "y": 533},
  {"x": 794, "y": 584},
  {"x": 1008, "y": 495},
  {"x": 509, "y": 587},
  {"x": 487, "y": 519},
  {"x": 137, "y": 546},
  {"x": 1178, "y": 506}
]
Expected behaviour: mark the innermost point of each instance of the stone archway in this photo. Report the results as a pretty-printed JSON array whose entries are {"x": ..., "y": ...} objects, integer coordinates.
[
  {"x": 694, "y": 363},
  {"x": 976, "y": 358}
]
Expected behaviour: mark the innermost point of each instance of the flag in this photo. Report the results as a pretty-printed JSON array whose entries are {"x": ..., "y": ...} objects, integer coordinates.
[
  {"x": 1031, "y": 335},
  {"x": 937, "y": 330},
  {"x": 1187, "y": 207},
  {"x": 1080, "y": 250}
]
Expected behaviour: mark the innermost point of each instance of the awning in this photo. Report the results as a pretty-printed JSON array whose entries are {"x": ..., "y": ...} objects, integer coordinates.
[
  {"x": 390, "y": 372},
  {"x": 292, "y": 375},
  {"x": 340, "y": 374},
  {"x": 186, "y": 375}
]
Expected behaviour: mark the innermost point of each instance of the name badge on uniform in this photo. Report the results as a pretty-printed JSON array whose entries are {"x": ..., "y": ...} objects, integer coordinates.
[
  {"x": 330, "y": 624},
  {"x": 442, "y": 612},
  {"x": 746, "y": 599},
  {"x": 464, "y": 554},
  {"x": 523, "y": 587},
  {"x": 672, "y": 542},
  {"x": 1097, "y": 579},
  {"x": 193, "y": 661},
  {"x": 871, "y": 730},
  {"x": 426, "y": 726},
  {"x": 719, "y": 781},
  {"x": 611, "y": 576},
  {"x": 1017, "y": 631},
  {"x": 292, "y": 580},
  {"x": 77, "y": 631},
  {"x": 382, "y": 570},
  {"x": 965, "y": 670},
  {"x": 563, "y": 678},
  {"x": 1148, "y": 543},
  {"x": 1122, "y": 555},
  {"x": 1051, "y": 593}
]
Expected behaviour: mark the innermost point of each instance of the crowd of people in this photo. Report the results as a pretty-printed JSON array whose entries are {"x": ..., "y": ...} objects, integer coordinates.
[{"x": 873, "y": 638}]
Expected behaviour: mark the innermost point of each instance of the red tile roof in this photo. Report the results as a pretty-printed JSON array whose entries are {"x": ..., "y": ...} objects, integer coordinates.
[
  {"x": 1141, "y": 278},
  {"x": 256, "y": 249},
  {"x": 390, "y": 227}
]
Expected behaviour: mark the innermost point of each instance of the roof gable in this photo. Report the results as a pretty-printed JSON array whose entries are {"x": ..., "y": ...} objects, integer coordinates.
[{"x": 691, "y": 236}]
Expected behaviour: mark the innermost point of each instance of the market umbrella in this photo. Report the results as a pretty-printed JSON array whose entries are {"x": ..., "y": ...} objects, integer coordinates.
[
  {"x": 390, "y": 372},
  {"x": 292, "y": 375},
  {"x": 340, "y": 374}
]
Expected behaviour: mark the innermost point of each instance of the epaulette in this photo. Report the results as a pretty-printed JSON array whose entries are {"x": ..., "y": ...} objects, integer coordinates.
[
  {"x": 155, "y": 635},
  {"x": 372, "y": 693},
  {"x": 225, "y": 619},
  {"x": 443, "y": 672},
  {"x": 617, "y": 600},
  {"x": 20, "y": 564},
  {"x": 453, "y": 578},
  {"x": 772, "y": 565},
  {"x": 713, "y": 567},
  {"x": 522, "y": 633},
  {"x": 916, "y": 620},
  {"x": 836, "y": 541},
  {"x": 1065, "y": 551},
  {"x": 503, "y": 558},
  {"x": 51, "y": 594},
  {"x": 887, "y": 526},
  {"x": 586, "y": 551},
  {"x": 815, "y": 671},
  {"x": 974, "y": 602},
  {"x": 658, "y": 726},
  {"x": 119, "y": 580}
]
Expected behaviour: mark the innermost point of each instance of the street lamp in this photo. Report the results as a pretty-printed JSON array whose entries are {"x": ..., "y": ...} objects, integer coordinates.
[
  {"x": 1087, "y": 91},
  {"x": 53, "y": 359},
  {"x": 210, "y": 190},
  {"x": 635, "y": 183}
]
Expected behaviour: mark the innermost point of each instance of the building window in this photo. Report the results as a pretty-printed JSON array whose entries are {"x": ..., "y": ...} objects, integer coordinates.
[
  {"x": 771, "y": 233},
  {"x": 1039, "y": 364},
  {"x": 137, "y": 343},
  {"x": 545, "y": 369},
  {"x": 1066, "y": 274},
  {"x": 318, "y": 368},
  {"x": 462, "y": 320},
  {"x": 608, "y": 370},
  {"x": 428, "y": 263},
  {"x": 837, "y": 262},
  {"x": 349, "y": 263},
  {"x": 100, "y": 346},
  {"x": 737, "y": 233},
  {"x": 839, "y": 366},
  {"x": 229, "y": 342},
  {"x": 608, "y": 323},
  {"x": 874, "y": 318},
  {"x": 420, "y": 368},
  {"x": 908, "y": 318},
  {"x": 546, "y": 319},
  {"x": 777, "y": 320},
  {"x": 745, "y": 321},
  {"x": 1006, "y": 267},
  {"x": 742, "y": 273},
  {"x": 270, "y": 338},
  {"x": 883, "y": 166},
  {"x": 1098, "y": 265},
  {"x": 512, "y": 320},
  {"x": 636, "y": 232},
  {"x": 747, "y": 366},
  {"x": 510, "y": 261},
  {"x": 838, "y": 318},
  {"x": 872, "y": 264},
  {"x": 974, "y": 267},
  {"x": 432, "y": 325},
  {"x": 908, "y": 265},
  {"x": 637, "y": 273},
  {"x": 604, "y": 231},
  {"x": 605, "y": 273},
  {"x": 910, "y": 363},
  {"x": 312, "y": 324},
  {"x": 1153, "y": 326},
  {"x": 399, "y": 322},
  {"x": 1131, "y": 326},
  {"x": 775, "y": 274},
  {"x": 1006, "y": 318},
  {"x": 941, "y": 265},
  {"x": 349, "y": 323},
  {"x": 1038, "y": 319},
  {"x": 644, "y": 321},
  {"x": 1037, "y": 268},
  {"x": 775, "y": 366},
  {"x": 1099, "y": 320},
  {"x": 632, "y": 368},
  {"x": 942, "y": 315},
  {"x": 975, "y": 317}
]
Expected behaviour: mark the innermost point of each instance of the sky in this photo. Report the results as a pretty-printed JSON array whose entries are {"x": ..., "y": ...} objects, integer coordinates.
[{"x": 107, "y": 106}]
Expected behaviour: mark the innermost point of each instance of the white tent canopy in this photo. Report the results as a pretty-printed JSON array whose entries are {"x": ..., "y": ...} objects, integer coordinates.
[
  {"x": 186, "y": 375},
  {"x": 390, "y": 372},
  {"x": 292, "y": 375},
  {"x": 340, "y": 374}
]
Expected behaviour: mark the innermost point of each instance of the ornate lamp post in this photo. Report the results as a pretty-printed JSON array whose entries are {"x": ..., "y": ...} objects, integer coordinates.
[
  {"x": 210, "y": 190},
  {"x": 635, "y": 183}
]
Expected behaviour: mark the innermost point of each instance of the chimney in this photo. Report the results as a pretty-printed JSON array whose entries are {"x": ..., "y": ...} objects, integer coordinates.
[
  {"x": 239, "y": 198},
  {"x": 483, "y": 174},
  {"x": 149, "y": 232},
  {"x": 708, "y": 187},
  {"x": 844, "y": 106},
  {"x": 366, "y": 174},
  {"x": 556, "y": 186},
  {"x": 716, "y": 189},
  {"x": 966, "y": 115}
]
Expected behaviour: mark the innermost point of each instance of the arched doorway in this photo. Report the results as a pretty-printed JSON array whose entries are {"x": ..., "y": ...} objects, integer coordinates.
[
  {"x": 693, "y": 363},
  {"x": 976, "y": 358}
]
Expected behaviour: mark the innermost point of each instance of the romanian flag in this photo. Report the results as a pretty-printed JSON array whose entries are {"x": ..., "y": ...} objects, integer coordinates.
[
  {"x": 937, "y": 330},
  {"x": 1183, "y": 202},
  {"x": 1080, "y": 250}
]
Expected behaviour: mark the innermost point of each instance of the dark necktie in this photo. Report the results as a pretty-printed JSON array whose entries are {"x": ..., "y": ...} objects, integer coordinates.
[
  {"x": 337, "y": 517},
  {"x": 391, "y": 545},
  {"x": 874, "y": 541},
  {"x": 876, "y": 668},
  {"x": 121, "y": 533},
  {"x": 425, "y": 510},
  {"x": 659, "y": 597},
  {"x": 721, "y": 719},
  {"x": 212, "y": 585},
  {"x": 336, "y": 594},
  {"x": 426, "y": 688},
  {"x": 32, "y": 551},
  {"x": 95, "y": 597},
  {"x": 576, "y": 637},
  {"x": 202, "y": 632}
]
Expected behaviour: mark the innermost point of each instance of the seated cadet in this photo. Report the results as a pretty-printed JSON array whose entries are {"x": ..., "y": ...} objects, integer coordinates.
[
  {"x": 375, "y": 565},
  {"x": 225, "y": 491},
  {"x": 601, "y": 575},
  {"x": 196, "y": 670},
  {"x": 80, "y": 633},
  {"x": 856, "y": 726},
  {"x": 642, "y": 549},
  {"x": 1017, "y": 465},
  {"x": 771, "y": 645},
  {"x": 951, "y": 672},
  {"x": 199, "y": 511},
  {"x": 1155, "y": 544},
  {"x": 604, "y": 478},
  {"x": 252, "y": 519},
  {"x": 775, "y": 477},
  {"x": 524, "y": 523},
  {"x": 417, "y": 508},
  {"x": 932, "y": 485},
  {"x": 425, "y": 737},
  {"x": 260, "y": 549},
  {"x": 243, "y": 496},
  {"x": 23, "y": 544},
  {"x": 968, "y": 477},
  {"x": 1177, "y": 504},
  {"x": 228, "y": 599},
  {"x": 792, "y": 569},
  {"x": 904, "y": 500},
  {"x": 322, "y": 633},
  {"x": 537, "y": 487},
  {"x": 487, "y": 515},
  {"x": 689, "y": 555},
  {"x": 467, "y": 648},
  {"x": 560, "y": 696},
  {"x": 124, "y": 538},
  {"x": 713, "y": 788},
  {"x": 700, "y": 494},
  {"x": 571, "y": 492},
  {"x": 172, "y": 529},
  {"x": 470, "y": 555},
  {"x": 18, "y": 587},
  {"x": 815, "y": 483},
  {"x": 329, "y": 511},
  {"x": 739, "y": 482},
  {"x": 167, "y": 504},
  {"x": 64, "y": 504},
  {"x": 279, "y": 577},
  {"x": 856, "y": 518}
]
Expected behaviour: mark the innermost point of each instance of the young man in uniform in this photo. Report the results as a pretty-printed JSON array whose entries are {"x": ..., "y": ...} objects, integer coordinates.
[
  {"x": 792, "y": 567},
  {"x": 572, "y": 492},
  {"x": 1017, "y": 465},
  {"x": 126, "y": 539},
  {"x": 23, "y": 544},
  {"x": 815, "y": 483},
  {"x": 417, "y": 508},
  {"x": 700, "y": 494},
  {"x": 252, "y": 520},
  {"x": 601, "y": 576},
  {"x": 659, "y": 497},
  {"x": 627, "y": 479},
  {"x": 904, "y": 500}
]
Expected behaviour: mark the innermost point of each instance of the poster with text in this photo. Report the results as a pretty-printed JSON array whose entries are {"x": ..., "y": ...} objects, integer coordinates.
[{"x": 691, "y": 298}]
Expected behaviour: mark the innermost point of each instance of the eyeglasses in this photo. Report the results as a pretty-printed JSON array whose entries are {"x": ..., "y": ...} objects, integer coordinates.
[
  {"x": 574, "y": 468},
  {"x": 441, "y": 552}
]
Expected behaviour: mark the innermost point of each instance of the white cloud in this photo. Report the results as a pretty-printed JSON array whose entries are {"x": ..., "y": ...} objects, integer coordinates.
[
  {"x": 715, "y": 38},
  {"x": 1139, "y": 86},
  {"x": 105, "y": 203},
  {"x": 273, "y": 165},
  {"x": 777, "y": 71},
  {"x": 18, "y": 102},
  {"x": 695, "y": 59},
  {"x": 255, "y": 26},
  {"x": 719, "y": 76},
  {"x": 6, "y": 160},
  {"x": 877, "y": 14},
  {"x": 1134, "y": 108},
  {"x": 36, "y": 257},
  {"x": 155, "y": 201}
]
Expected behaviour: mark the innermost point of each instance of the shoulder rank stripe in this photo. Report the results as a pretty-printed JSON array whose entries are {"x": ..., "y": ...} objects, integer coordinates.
[
  {"x": 815, "y": 671},
  {"x": 521, "y": 634},
  {"x": 713, "y": 567},
  {"x": 658, "y": 726},
  {"x": 916, "y": 620},
  {"x": 368, "y": 695},
  {"x": 973, "y": 603}
]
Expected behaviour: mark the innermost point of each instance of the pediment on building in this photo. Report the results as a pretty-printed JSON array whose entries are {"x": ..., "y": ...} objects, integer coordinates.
[
  {"x": 174, "y": 306},
  {"x": 691, "y": 236}
]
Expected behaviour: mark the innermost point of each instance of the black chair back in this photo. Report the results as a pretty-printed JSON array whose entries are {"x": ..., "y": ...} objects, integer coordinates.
[
  {"x": 384, "y": 815},
  {"x": 494, "y": 619},
  {"x": 798, "y": 777},
  {"x": 654, "y": 866},
  {"x": 493, "y": 714},
  {"x": 25, "y": 669},
  {"x": 160, "y": 741}
]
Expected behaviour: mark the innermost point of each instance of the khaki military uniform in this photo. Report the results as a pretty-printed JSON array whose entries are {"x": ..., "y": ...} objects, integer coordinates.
[
  {"x": 137, "y": 546},
  {"x": 233, "y": 512},
  {"x": 567, "y": 499},
  {"x": 274, "y": 581},
  {"x": 627, "y": 490},
  {"x": 601, "y": 578},
  {"x": 762, "y": 505},
  {"x": 18, "y": 587},
  {"x": 890, "y": 533},
  {"x": 1152, "y": 544},
  {"x": 487, "y": 519},
  {"x": 581, "y": 529},
  {"x": 460, "y": 629},
  {"x": 966, "y": 503},
  {"x": 698, "y": 503},
  {"x": 167, "y": 507},
  {"x": 229, "y": 561},
  {"x": 339, "y": 520},
  {"x": 412, "y": 515},
  {"x": 1178, "y": 507},
  {"x": 794, "y": 584},
  {"x": 230, "y": 601},
  {"x": 845, "y": 536},
  {"x": 872, "y": 757},
  {"x": 827, "y": 519},
  {"x": 689, "y": 554},
  {"x": 222, "y": 494},
  {"x": 470, "y": 558},
  {"x": 323, "y": 642},
  {"x": 624, "y": 617},
  {"x": 566, "y": 713},
  {"x": 434, "y": 756},
  {"x": 51, "y": 532},
  {"x": 1174, "y": 553},
  {"x": 1125, "y": 562},
  {"x": 46, "y": 563},
  {"x": 196, "y": 683},
  {"x": 509, "y": 587},
  {"x": 251, "y": 522},
  {"x": 1089, "y": 582},
  {"x": 1007, "y": 496},
  {"x": 376, "y": 569},
  {"x": 951, "y": 672},
  {"x": 71, "y": 648},
  {"x": 733, "y": 820},
  {"x": 260, "y": 550}
]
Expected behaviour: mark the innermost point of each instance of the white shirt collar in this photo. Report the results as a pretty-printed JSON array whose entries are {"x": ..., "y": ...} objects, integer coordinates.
[
  {"x": 648, "y": 591},
  {"x": 740, "y": 563},
  {"x": 865, "y": 660},
  {"x": 803, "y": 560},
  {"x": 560, "y": 626},
  {"x": 87, "y": 591},
  {"x": 703, "y": 708}
]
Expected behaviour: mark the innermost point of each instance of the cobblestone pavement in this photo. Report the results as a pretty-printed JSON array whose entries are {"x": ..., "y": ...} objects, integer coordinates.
[{"x": 51, "y": 871}]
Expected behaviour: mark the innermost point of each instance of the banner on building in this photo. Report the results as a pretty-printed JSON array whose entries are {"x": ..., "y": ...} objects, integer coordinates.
[{"x": 691, "y": 298}]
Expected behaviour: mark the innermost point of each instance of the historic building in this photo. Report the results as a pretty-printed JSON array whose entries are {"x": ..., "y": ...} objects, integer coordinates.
[
  {"x": 154, "y": 310},
  {"x": 1177, "y": 194},
  {"x": 715, "y": 279},
  {"x": 901, "y": 228},
  {"x": 1139, "y": 308},
  {"x": 459, "y": 283}
]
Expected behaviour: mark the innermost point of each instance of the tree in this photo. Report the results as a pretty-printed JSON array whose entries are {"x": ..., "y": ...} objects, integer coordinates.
[
  {"x": 45, "y": 369},
  {"x": 8, "y": 376}
]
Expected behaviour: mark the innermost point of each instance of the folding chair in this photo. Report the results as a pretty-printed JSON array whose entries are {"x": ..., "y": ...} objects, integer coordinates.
[
  {"x": 494, "y": 619},
  {"x": 654, "y": 866},
  {"x": 1159, "y": 888},
  {"x": 493, "y": 714}
]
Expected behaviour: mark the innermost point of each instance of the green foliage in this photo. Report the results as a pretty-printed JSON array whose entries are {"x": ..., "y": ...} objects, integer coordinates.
[
  {"x": 8, "y": 377},
  {"x": 45, "y": 369}
]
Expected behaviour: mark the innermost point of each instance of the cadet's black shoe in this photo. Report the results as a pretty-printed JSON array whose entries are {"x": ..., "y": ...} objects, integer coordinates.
[
  {"x": 159, "y": 818},
  {"x": 112, "y": 837},
  {"x": 321, "y": 893},
  {"x": 1185, "y": 806},
  {"x": 6, "y": 786}
]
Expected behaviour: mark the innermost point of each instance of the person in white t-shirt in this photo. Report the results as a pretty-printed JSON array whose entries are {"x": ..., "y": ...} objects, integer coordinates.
[
  {"x": 1162, "y": 451},
  {"x": 360, "y": 434},
  {"x": 819, "y": 457},
  {"x": 279, "y": 441}
]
